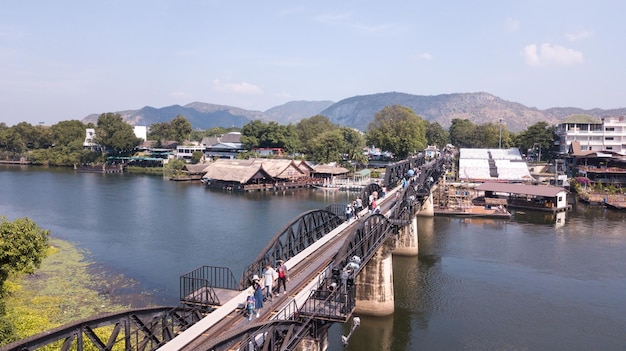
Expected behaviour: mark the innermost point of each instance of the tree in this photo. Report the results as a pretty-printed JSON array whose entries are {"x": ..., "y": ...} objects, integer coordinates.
[
  {"x": 488, "y": 136},
  {"x": 328, "y": 146},
  {"x": 310, "y": 128},
  {"x": 463, "y": 133},
  {"x": 180, "y": 129},
  {"x": 436, "y": 135},
  {"x": 68, "y": 133},
  {"x": 23, "y": 246},
  {"x": 354, "y": 144},
  {"x": 538, "y": 136},
  {"x": 397, "y": 129},
  {"x": 115, "y": 135},
  {"x": 272, "y": 135}
]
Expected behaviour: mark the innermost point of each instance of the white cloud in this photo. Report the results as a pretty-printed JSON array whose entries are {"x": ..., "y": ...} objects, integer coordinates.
[
  {"x": 423, "y": 56},
  {"x": 239, "y": 88},
  {"x": 180, "y": 94},
  {"x": 511, "y": 25},
  {"x": 548, "y": 54},
  {"x": 583, "y": 34}
]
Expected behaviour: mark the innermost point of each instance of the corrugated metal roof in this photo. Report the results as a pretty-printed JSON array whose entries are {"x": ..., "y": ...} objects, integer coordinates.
[{"x": 536, "y": 190}]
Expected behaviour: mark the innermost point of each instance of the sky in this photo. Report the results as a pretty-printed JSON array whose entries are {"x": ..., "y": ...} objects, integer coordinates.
[{"x": 64, "y": 60}]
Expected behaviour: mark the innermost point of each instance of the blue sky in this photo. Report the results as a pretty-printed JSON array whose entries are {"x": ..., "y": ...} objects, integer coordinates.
[{"x": 62, "y": 60}]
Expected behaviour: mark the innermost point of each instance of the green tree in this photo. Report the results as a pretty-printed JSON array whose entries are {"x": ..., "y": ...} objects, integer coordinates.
[
  {"x": 251, "y": 134},
  {"x": 463, "y": 133},
  {"x": 196, "y": 156},
  {"x": 397, "y": 129},
  {"x": 271, "y": 135},
  {"x": 328, "y": 146},
  {"x": 488, "y": 136},
  {"x": 68, "y": 133},
  {"x": 180, "y": 129},
  {"x": 115, "y": 135},
  {"x": 354, "y": 143},
  {"x": 22, "y": 248},
  {"x": 436, "y": 135},
  {"x": 310, "y": 128},
  {"x": 539, "y": 135}
]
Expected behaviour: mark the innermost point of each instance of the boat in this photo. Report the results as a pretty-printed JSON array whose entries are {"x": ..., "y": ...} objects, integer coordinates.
[
  {"x": 474, "y": 211},
  {"x": 327, "y": 187}
]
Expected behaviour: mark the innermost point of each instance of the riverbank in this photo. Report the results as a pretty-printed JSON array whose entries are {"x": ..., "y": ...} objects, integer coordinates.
[{"x": 66, "y": 288}]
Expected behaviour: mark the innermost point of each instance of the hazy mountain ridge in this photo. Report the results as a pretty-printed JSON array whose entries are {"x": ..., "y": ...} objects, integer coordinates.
[{"x": 358, "y": 111}]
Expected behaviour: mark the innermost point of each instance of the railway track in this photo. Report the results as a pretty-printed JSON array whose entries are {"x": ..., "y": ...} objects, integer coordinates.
[{"x": 304, "y": 270}]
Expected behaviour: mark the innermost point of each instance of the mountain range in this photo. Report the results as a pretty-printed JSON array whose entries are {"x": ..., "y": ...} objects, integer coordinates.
[{"x": 358, "y": 111}]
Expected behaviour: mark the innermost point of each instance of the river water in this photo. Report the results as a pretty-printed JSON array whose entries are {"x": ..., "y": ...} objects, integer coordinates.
[{"x": 535, "y": 282}]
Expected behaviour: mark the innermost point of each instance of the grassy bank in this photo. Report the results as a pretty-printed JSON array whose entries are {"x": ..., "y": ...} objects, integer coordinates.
[{"x": 65, "y": 289}]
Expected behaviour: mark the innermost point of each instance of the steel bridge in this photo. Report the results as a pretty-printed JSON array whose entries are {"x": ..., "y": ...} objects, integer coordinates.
[{"x": 317, "y": 246}]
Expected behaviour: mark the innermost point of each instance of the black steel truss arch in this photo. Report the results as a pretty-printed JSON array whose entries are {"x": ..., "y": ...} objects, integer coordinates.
[
  {"x": 291, "y": 240},
  {"x": 364, "y": 240},
  {"x": 140, "y": 329},
  {"x": 270, "y": 335},
  {"x": 368, "y": 190},
  {"x": 396, "y": 171}
]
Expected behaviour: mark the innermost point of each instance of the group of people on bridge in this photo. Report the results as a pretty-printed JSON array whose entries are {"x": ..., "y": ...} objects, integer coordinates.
[
  {"x": 262, "y": 290},
  {"x": 355, "y": 207}
]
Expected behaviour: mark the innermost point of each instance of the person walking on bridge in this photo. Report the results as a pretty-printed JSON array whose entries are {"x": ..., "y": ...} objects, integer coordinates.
[
  {"x": 269, "y": 275},
  {"x": 258, "y": 294},
  {"x": 282, "y": 276}
]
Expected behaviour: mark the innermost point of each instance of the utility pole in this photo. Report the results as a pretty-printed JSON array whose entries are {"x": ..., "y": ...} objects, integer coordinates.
[{"x": 500, "y": 140}]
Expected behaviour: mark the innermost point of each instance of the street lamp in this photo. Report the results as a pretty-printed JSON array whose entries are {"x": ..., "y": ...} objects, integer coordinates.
[{"x": 500, "y": 141}]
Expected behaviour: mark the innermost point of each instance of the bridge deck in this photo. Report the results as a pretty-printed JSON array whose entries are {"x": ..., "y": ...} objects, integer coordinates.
[{"x": 305, "y": 268}]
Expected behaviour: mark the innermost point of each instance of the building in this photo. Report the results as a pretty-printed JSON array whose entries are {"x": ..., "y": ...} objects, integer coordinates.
[
  {"x": 530, "y": 197},
  {"x": 184, "y": 152},
  {"x": 141, "y": 132},
  {"x": 593, "y": 134},
  {"x": 256, "y": 174},
  {"x": 90, "y": 137},
  {"x": 226, "y": 146},
  {"x": 500, "y": 165}
]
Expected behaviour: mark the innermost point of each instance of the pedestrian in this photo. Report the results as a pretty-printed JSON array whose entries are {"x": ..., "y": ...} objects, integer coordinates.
[
  {"x": 355, "y": 209},
  {"x": 258, "y": 294},
  {"x": 359, "y": 204},
  {"x": 283, "y": 276},
  {"x": 348, "y": 211},
  {"x": 269, "y": 274},
  {"x": 375, "y": 208},
  {"x": 250, "y": 303}
]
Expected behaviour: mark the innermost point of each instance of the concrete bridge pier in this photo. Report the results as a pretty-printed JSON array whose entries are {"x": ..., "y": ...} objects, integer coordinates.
[
  {"x": 427, "y": 209},
  {"x": 374, "y": 284},
  {"x": 408, "y": 243},
  {"x": 309, "y": 343}
]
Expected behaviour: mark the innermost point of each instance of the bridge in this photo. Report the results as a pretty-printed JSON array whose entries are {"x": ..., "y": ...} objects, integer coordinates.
[{"x": 337, "y": 268}]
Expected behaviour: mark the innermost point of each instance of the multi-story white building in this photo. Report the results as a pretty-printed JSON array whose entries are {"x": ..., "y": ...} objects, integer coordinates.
[{"x": 593, "y": 134}]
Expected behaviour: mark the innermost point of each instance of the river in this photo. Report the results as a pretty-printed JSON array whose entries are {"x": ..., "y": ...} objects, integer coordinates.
[{"x": 534, "y": 282}]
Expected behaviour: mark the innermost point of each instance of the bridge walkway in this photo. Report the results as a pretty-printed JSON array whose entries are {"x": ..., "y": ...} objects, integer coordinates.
[{"x": 306, "y": 270}]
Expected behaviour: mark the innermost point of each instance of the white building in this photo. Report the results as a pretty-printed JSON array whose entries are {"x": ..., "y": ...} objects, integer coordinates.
[
  {"x": 184, "y": 152},
  {"x": 593, "y": 134},
  {"x": 90, "y": 135},
  {"x": 141, "y": 132},
  {"x": 502, "y": 165}
]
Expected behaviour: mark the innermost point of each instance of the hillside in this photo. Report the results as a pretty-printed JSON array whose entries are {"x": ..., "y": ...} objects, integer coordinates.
[{"x": 358, "y": 111}]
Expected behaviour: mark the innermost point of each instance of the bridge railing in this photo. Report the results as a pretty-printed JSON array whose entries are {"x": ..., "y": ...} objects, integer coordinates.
[
  {"x": 333, "y": 302},
  {"x": 198, "y": 286}
]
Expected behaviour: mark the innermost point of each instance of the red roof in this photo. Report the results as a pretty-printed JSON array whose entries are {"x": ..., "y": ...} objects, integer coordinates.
[{"x": 536, "y": 190}]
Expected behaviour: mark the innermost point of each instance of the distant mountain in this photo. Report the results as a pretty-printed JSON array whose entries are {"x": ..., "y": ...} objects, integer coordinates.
[
  {"x": 294, "y": 111},
  {"x": 358, "y": 111},
  {"x": 200, "y": 115},
  {"x": 480, "y": 108},
  {"x": 205, "y": 116}
]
